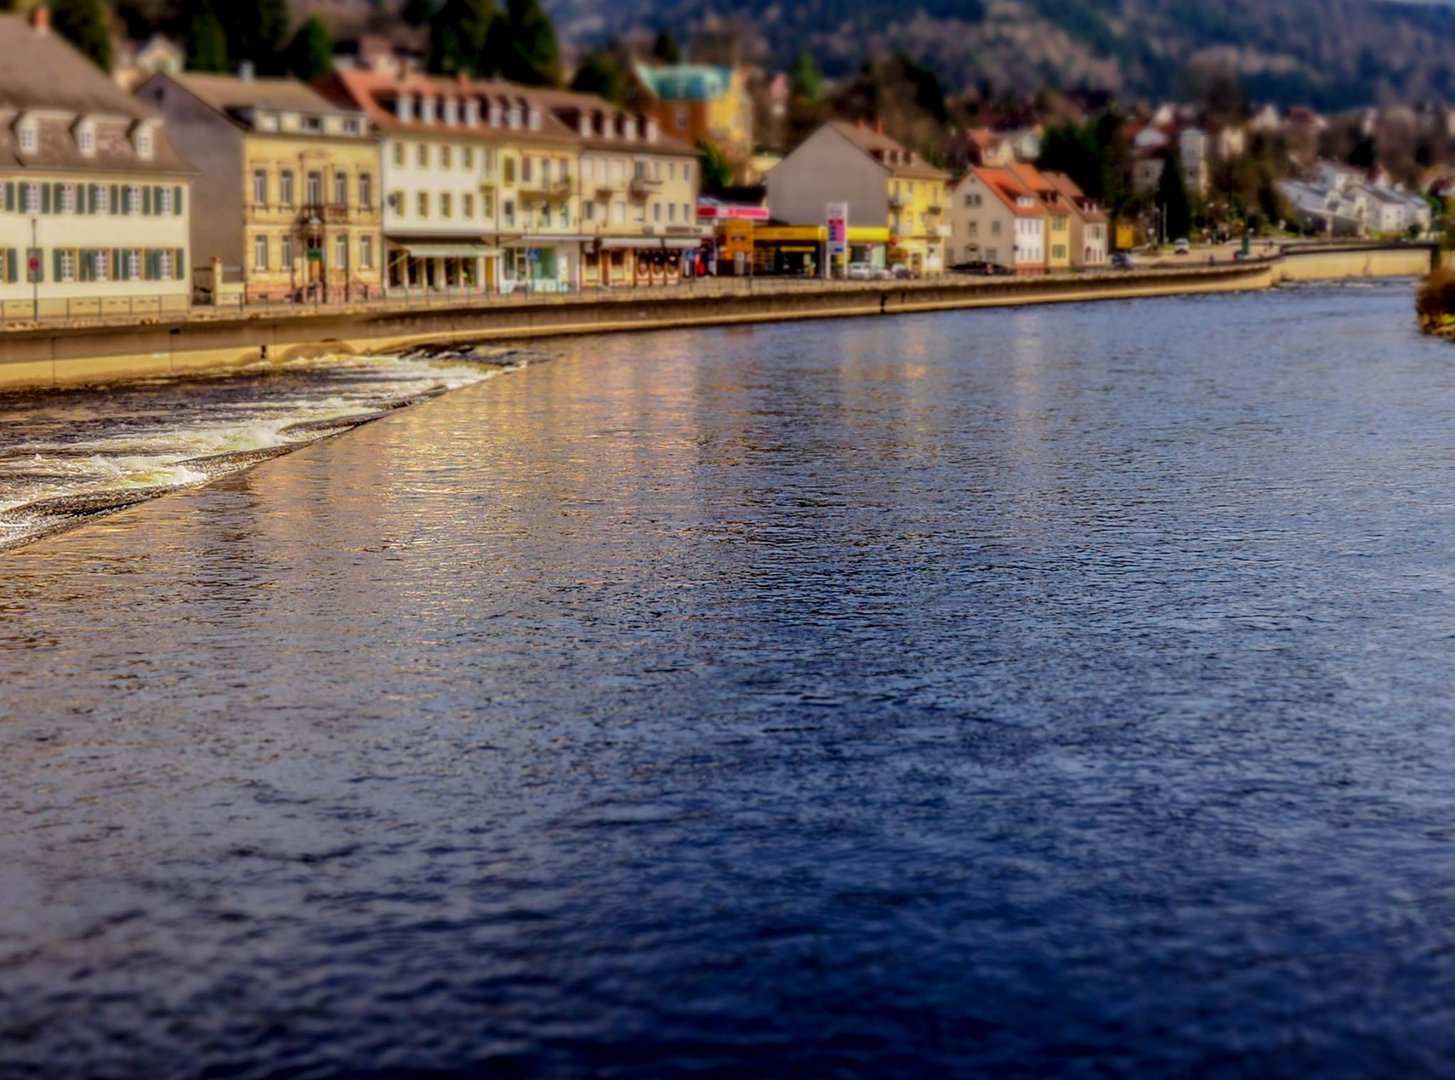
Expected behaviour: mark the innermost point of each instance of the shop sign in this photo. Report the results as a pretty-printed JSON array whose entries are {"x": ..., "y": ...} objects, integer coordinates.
[
  {"x": 737, "y": 238},
  {"x": 838, "y": 228}
]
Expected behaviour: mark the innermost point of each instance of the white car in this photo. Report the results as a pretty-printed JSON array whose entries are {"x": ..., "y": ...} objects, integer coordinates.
[
  {"x": 1182, "y": 247},
  {"x": 861, "y": 271}
]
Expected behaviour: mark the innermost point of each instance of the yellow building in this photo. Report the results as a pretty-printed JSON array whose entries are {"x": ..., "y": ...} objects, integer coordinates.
[
  {"x": 1059, "y": 234},
  {"x": 288, "y": 196},
  {"x": 697, "y": 103},
  {"x": 884, "y": 185}
]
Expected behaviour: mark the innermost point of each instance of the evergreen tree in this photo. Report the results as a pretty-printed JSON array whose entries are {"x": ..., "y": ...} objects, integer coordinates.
[
  {"x": 523, "y": 47},
  {"x": 1365, "y": 154},
  {"x": 255, "y": 29},
  {"x": 1074, "y": 149},
  {"x": 85, "y": 24},
  {"x": 459, "y": 37},
  {"x": 1172, "y": 198},
  {"x": 418, "y": 12},
  {"x": 206, "y": 44},
  {"x": 805, "y": 80},
  {"x": 666, "y": 49},
  {"x": 716, "y": 172},
  {"x": 601, "y": 74},
  {"x": 309, "y": 55}
]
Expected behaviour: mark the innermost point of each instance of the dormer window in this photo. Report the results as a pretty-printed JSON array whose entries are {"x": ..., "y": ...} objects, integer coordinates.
[
  {"x": 512, "y": 117},
  {"x": 86, "y": 137},
  {"x": 628, "y": 128},
  {"x": 426, "y": 110},
  {"x": 452, "y": 112},
  {"x": 144, "y": 144},
  {"x": 472, "y": 113},
  {"x": 404, "y": 108},
  {"x": 28, "y": 137},
  {"x": 533, "y": 118}
]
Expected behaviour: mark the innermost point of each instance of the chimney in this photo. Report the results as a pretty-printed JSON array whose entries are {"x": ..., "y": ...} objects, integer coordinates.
[
  {"x": 879, "y": 127},
  {"x": 246, "y": 71},
  {"x": 40, "y": 19}
]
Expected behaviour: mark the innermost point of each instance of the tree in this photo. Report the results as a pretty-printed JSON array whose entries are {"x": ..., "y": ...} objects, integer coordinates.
[
  {"x": 206, "y": 44},
  {"x": 1365, "y": 154},
  {"x": 85, "y": 24},
  {"x": 254, "y": 28},
  {"x": 805, "y": 81},
  {"x": 666, "y": 49},
  {"x": 418, "y": 12},
  {"x": 309, "y": 55},
  {"x": 1074, "y": 149},
  {"x": 1172, "y": 198},
  {"x": 459, "y": 37},
  {"x": 522, "y": 47},
  {"x": 716, "y": 172},
  {"x": 601, "y": 74}
]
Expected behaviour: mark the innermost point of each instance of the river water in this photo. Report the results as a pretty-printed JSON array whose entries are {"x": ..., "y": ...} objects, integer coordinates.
[{"x": 1059, "y": 690}]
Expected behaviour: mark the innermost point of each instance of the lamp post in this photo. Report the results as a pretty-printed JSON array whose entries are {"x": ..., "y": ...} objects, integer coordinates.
[
  {"x": 32, "y": 263},
  {"x": 315, "y": 228}
]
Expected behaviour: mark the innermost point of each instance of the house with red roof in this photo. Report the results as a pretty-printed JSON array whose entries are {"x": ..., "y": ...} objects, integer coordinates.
[{"x": 996, "y": 218}]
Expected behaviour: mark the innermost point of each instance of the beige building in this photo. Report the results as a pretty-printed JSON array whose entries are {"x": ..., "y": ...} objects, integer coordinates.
[
  {"x": 288, "y": 189},
  {"x": 883, "y": 183},
  {"x": 638, "y": 191},
  {"x": 93, "y": 193}
]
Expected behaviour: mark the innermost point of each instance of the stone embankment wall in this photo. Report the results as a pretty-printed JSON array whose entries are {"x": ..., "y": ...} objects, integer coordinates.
[{"x": 49, "y": 357}]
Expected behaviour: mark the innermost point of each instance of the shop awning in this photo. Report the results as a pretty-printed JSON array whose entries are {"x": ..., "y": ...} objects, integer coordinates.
[
  {"x": 448, "y": 251},
  {"x": 545, "y": 240}
]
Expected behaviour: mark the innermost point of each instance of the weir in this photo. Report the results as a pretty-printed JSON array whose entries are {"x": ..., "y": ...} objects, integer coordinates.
[{"x": 49, "y": 356}]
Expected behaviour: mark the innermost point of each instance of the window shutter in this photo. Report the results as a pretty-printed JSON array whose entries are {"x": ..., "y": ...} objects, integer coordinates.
[
  {"x": 146, "y": 200},
  {"x": 10, "y": 264},
  {"x": 10, "y": 196},
  {"x": 177, "y": 200},
  {"x": 85, "y": 257},
  {"x": 45, "y": 198},
  {"x": 56, "y": 263},
  {"x": 181, "y": 259},
  {"x": 115, "y": 203},
  {"x": 115, "y": 264}
]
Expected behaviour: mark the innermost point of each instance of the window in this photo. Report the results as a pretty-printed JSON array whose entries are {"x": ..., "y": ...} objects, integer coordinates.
[
  {"x": 421, "y": 155},
  {"x": 32, "y": 198},
  {"x": 366, "y": 253},
  {"x": 287, "y": 253},
  {"x": 102, "y": 199},
  {"x": 657, "y": 213},
  {"x": 686, "y": 213},
  {"x": 422, "y": 202},
  {"x": 351, "y": 127},
  {"x": 366, "y": 191},
  {"x": 671, "y": 170},
  {"x": 86, "y": 139},
  {"x": 66, "y": 265},
  {"x": 27, "y": 137},
  {"x": 527, "y": 167},
  {"x": 315, "y": 188},
  {"x": 164, "y": 265},
  {"x": 446, "y": 157},
  {"x": 672, "y": 212},
  {"x": 100, "y": 265},
  {"x": 164, "y": 203},
  {"x": 447, "y": 205},
  {"x": 679, "y": 117},
  {"x": 563, "y": 216},
  {"x": 260, "y": 253},
  {"x": 133, "y": 199},
  {"x": 68, "y": 198},
  {"x": 144, "y": 145},
  {"x": 133, "y": 265},
  {"x": 399, "y": 154},
  {"x": 312, "y": 124},
  {"x": 618, "y": 213},
  {"x": 508, "y": 209},
  {"x": 341, "y": 251},
  {"x": 285, "y": 187},
  {"x": 341, "y": 189},
  {"x": 995, "y": 228},
  {"x": 588, "y": 211},
  {"x": 467, "y": 207},
  {"x": 260, "y": 187},
  {"x": 467, "y": 158}
]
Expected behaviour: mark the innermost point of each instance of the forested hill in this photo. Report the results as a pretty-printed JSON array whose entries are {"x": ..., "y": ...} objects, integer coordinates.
[{"x": 1326, "y": 53}]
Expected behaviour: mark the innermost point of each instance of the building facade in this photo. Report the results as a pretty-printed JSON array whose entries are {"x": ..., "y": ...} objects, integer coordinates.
[
  {"x": 883, "y": 183},
  {"x": 288, "y": 187},
  {"x": 698, "y": 103},
  {"x": 995, "y": 219},
  {"x": 94, "y": 196}
]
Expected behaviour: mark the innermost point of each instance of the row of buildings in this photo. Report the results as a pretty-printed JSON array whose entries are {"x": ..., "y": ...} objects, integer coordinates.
[
  {"x": 1339, "y": 200},
  {"x": 376, "y": 180}
]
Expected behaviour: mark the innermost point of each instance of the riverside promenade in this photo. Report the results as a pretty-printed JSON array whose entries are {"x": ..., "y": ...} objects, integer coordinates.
[{"x": 104, "y": 347}]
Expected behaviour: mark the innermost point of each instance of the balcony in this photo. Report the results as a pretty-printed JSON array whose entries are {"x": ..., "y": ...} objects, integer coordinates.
[
  {"x": 547, "y": 189},
  {"x": 642, "y": 186},
  {"x": 332, "y": 213},
  {"x": 898, "y": 202}
]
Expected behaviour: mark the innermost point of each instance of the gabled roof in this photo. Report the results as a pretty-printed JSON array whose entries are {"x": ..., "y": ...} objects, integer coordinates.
[
  {"x": 41, "y": 70},
  {"x": 1085, "y": 207},
  {"x": 229, "y": 93},
  {"x": 686, "y": 82},
  {"x": 376, "y": 93},
  {"x": 900, "y": 162},
  {"x": 1003, "y": 184}
]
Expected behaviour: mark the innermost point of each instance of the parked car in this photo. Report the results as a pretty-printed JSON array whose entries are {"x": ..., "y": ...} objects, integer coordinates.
[
  {"x": 980, "y": 266},
  {"x": 1181, "y": 247},
  {"x": 900, "y": 271},
  {"x": 1123, "y": 260},
  {"x": 861, "y": 271}
]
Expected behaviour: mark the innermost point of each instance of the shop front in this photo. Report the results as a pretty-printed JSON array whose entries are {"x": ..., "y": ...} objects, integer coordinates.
[
  {"x": 800, "y": 250},
  {"x": 637, "y": 261},
  {"x": 437, "y": 266},
  {"x": 540, "y": 264}
]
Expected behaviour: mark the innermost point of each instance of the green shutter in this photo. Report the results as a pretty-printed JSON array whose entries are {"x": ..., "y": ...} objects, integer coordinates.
[
  {"x": 85, "y": 267},
  {"x": 56, "y": 264},
  {"x": 11, "y": 265},
  {"x": 45, "y": 198},
  {"x": 181, "y": 258},
  {"x": 10, "y": 196},
  {"x": 115, "y": 264},
  {"x": 115, "y": 204},
  {"x": 146, "y": 200},
  {"x": 177, "y": 200}
]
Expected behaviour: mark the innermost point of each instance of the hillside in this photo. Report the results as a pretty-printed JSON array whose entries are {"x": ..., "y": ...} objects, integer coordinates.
[{"x": 1327, "y": 53}]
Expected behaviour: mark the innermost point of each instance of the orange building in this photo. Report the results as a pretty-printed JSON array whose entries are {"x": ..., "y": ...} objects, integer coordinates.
[{"x": 700, "y": 103}]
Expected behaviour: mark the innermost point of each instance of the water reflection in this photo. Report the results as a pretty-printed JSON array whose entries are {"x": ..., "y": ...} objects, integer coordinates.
[{"x": 1026, "y": 692}]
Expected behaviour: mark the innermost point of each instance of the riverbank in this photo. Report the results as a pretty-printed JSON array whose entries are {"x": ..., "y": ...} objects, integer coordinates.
[{"x": 48, "y": 356}]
